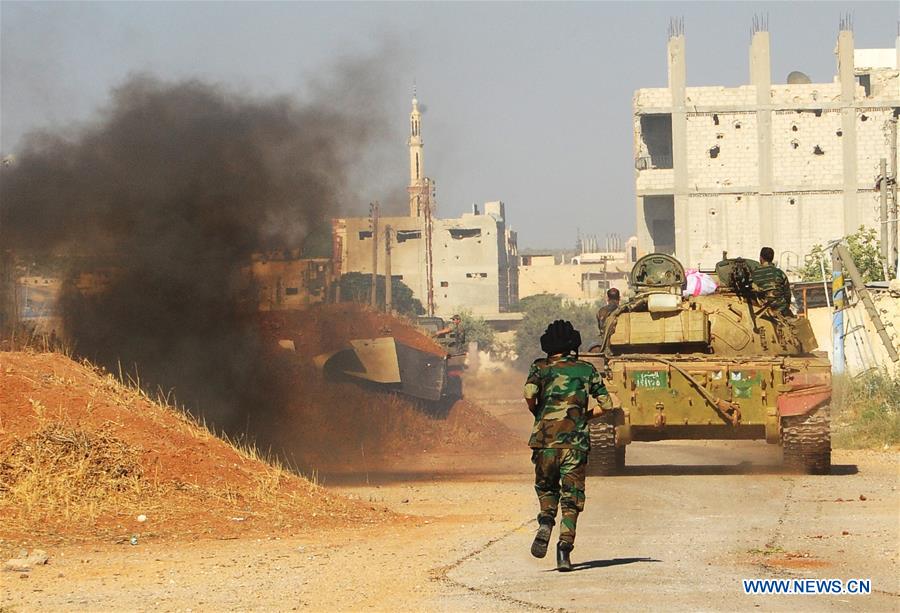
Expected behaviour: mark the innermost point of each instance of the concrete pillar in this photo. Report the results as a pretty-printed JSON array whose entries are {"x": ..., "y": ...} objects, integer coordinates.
[
  {"x": 761, "y": 78},
  {"x": 848, "y": 126},
  {"x": 677, "y": 87},
  {"x": 643, "y": 236}
]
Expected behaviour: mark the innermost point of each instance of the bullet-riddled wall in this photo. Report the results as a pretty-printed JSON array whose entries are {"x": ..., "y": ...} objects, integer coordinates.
[{"x": 785, "y": 165}]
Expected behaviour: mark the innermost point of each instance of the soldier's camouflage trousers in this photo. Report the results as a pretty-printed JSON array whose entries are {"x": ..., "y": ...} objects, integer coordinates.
[{"x": 559, "y": 481}]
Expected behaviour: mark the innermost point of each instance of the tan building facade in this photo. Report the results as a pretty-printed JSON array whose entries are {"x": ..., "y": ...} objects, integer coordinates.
[
  {"x": 584, "y": 279},
  {"x": 465, "y": 263},
  {"x": 473, "y": 256},
  {"x": 785, "y": 165},
  {"x": 285, "y": 281}
]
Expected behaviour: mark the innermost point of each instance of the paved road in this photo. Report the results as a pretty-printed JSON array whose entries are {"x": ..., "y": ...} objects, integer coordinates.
[{"x": 689, "y": 520}]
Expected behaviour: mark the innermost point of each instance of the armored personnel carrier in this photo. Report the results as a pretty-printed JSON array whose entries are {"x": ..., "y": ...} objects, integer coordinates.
[{"x": 720, "y": 366}]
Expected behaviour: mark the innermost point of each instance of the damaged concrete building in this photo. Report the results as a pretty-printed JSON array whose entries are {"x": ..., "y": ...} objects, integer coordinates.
[
  {"x": 469, "y": 262},
  {"x": 787, "y": 165}
]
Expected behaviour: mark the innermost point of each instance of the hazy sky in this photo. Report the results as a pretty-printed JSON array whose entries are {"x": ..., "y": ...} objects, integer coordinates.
[{"x": 526, "y": 103}]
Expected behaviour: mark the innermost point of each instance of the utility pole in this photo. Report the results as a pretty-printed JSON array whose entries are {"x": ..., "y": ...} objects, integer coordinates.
[
  {"x": 429, "y": 257},
  {"x": 838, "y": 295},
  {"x": 373, "y": 216},
  {"x": 884, "y": 218},
  {"x": 841, "y": 256},
  {"x": 388, "y": 290},
  {"x": 895, "y": 210}
]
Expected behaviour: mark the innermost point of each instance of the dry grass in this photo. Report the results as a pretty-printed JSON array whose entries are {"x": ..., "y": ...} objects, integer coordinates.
[
  {"x": 96, "y": 450},
  {"x": 867, "y": 411},
  {"x": 68, "y": 471}
]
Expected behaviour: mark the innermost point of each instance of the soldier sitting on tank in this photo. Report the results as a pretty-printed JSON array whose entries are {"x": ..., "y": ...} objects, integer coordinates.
[
  {"x": 556, "y": 391},
  {"x": 772, "y": 284},
  {"x": 612, "y": 303}
]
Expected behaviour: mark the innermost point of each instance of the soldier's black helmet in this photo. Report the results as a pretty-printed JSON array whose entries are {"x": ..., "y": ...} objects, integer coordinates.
[{"x": 560, "y": 337}]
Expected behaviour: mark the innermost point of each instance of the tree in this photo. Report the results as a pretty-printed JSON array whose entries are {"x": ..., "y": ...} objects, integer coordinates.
[
  {"x": 865, "y": 248},
  {"x": 357, "y": 287},
  {"x": 477, "y": 330},
  {"x": 540, "y": 311}
]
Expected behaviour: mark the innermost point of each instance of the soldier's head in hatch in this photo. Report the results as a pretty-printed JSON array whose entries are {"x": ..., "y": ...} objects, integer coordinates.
[{"x": 612, "y": 296}]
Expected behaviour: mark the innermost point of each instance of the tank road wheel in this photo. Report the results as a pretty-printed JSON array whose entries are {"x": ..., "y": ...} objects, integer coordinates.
[
  {"x": 603, "y": 459},
  {"x": 806, "y": 440}
]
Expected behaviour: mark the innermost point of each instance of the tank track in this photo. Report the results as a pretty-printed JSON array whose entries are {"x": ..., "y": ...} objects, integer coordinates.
[
  {"x": 806, "y": 440},
  {"x": 604, "y": 458}
]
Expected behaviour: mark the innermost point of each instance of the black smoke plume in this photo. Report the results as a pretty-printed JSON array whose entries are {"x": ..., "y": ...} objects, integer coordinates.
[{"x": 170, "y": 191}]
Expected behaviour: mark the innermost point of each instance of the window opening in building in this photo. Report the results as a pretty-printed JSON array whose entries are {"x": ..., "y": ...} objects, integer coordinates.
[
  {"x": 818, "y": 112},
  {"x": 445, "y": 284},
  {"x": 291, "y": 291},
  {"x": 839, "y": 133},
  {"x": 817, "y": 150},
  {"x": 364, "y": 234},
  {"x": 866, "y": 81},
  {"x": 715, "y": 119},
  {"x": 737, "y": 125},
  {"x": 460, "y": 233},
  {"x": 656, "y": 134},
  {"x": 864, "y": 118},
  {"x": 714, "y": 152},
  {"x": 659, "y": 215},
  {"x": 795, "y": 144},
  {"x": 405, "y": 235}
]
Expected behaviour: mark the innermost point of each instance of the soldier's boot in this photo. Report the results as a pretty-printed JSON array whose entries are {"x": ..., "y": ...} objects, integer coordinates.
[
  {"x": 541, "y": 539},
  {"x": 563, "y": 563}
]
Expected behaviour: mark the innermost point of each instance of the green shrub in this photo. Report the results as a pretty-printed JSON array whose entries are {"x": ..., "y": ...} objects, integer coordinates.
[
  {"x": 865, "y": 249},
  {"x": 357, "y": 287},
  {"x": 477, "y": 330},
  {"x": 539, "y": 311}
]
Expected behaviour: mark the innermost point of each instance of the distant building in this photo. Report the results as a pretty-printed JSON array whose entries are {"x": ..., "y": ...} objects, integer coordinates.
[
  {"x": 786, "y": 165},
  {"x": 469, "y": 262},
  {"x": 582, "y": 279},
  {"x": 282, "y": 280}
]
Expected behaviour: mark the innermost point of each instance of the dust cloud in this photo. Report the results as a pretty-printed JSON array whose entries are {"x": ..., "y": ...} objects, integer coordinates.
[{"x": 170, "y": 190}]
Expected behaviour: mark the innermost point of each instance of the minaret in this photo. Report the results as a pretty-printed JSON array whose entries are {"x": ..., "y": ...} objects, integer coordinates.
[{"x": 419, "y": 195}]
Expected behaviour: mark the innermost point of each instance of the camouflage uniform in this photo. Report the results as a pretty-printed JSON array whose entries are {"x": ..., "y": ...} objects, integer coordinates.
[
  {"x": 773, "y": 284},
  {"x": 603, "y": 314},
  {"x": 559, "y": 439}
]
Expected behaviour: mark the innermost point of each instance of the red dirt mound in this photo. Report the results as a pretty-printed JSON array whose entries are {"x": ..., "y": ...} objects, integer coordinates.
[{"x": 83, "y": 456}]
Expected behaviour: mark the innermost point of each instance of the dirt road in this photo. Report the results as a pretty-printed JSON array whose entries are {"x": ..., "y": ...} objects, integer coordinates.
[{"x": 679, "y": 531}]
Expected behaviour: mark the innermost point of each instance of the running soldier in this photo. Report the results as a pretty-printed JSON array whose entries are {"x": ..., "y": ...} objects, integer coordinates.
[{"x": 556, "y": 391}]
